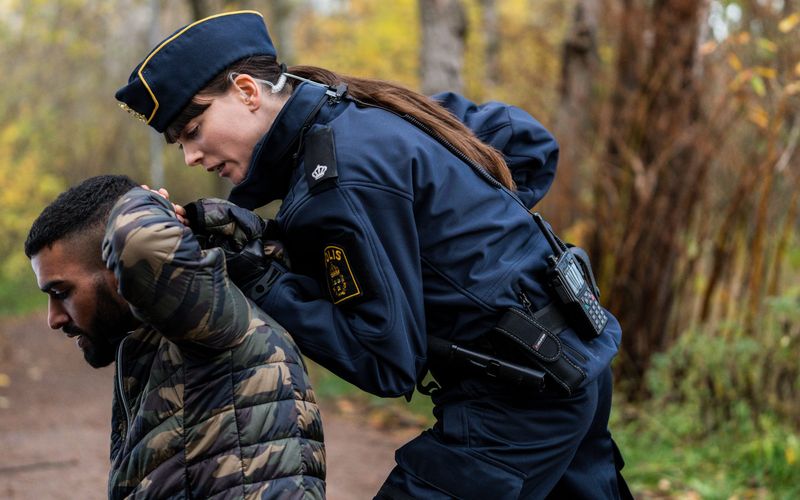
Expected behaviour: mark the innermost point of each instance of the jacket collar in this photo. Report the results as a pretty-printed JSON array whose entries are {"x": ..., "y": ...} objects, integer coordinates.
[{"x": 272, "y": 163}]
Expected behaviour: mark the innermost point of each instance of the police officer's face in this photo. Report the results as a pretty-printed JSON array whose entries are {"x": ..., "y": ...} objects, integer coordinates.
[
  {"x": 221, "y": 139},
  {"x": 83, "y": 302}
]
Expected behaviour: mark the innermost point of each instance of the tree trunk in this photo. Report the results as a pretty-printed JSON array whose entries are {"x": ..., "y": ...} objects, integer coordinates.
[
  {"x": 200, "y": 8},
  {"x": 655, "y": 172},
  {"x": 156, "y": 141},
  {"x": 280, "y": 21},
  {"x": 491, "y": 33},
  {"x": 444, "y": 29},
  {"x": 575, "y": 123}
]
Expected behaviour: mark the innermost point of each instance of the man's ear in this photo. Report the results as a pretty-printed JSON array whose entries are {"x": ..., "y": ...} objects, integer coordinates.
[
  {"x": 110, "y": 279},
  {"x": 249, "y": 90},
  {"x": 113, "y": 277}
]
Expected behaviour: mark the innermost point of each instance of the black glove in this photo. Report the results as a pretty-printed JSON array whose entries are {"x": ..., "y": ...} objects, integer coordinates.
[
  {"x": 252, "y": 270},
  {"x": 254, "y": 257},
  {"x": 226, "y": 224}
]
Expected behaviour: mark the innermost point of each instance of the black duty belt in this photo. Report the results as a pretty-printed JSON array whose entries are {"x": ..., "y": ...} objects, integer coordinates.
[{"x": 522, "y": 351}]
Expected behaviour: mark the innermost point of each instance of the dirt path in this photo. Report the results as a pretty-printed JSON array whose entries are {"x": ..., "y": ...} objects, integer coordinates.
[{"x": 55, "y": 424}]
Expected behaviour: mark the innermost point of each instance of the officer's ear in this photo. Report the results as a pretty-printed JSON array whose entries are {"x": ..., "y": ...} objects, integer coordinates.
[{"x": 249, "y": 90}]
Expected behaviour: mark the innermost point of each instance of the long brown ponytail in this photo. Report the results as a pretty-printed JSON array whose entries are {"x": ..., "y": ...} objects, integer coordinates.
[
  {"x": 424, "y": 109},
  {"x": 375, "y": 92}
]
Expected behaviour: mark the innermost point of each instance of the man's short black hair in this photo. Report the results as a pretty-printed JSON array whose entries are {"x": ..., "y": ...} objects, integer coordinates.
[{"x": 78, "y": 209}]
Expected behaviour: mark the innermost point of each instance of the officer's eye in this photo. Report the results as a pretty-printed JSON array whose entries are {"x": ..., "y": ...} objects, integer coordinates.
[{"x": 193, "y": 132}]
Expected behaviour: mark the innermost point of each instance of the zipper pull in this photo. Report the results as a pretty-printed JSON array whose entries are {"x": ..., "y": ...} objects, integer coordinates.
[{"x": 526, "y": 302}]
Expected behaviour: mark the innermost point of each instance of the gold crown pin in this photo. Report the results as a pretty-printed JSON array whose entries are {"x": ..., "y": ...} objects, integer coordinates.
[{"x": 132, "y": 111}]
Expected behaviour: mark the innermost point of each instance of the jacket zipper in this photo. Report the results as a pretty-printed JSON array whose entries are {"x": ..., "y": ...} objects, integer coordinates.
[
  {"x": 121, "y": 392},
  {"x": 125, "y": 417},
  {"x": 455, "y": 151},
  {"x": 526, "y": 302}
]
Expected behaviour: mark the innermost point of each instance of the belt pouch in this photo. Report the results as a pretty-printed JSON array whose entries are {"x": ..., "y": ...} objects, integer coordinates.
[{"x": 520, "y": 335}]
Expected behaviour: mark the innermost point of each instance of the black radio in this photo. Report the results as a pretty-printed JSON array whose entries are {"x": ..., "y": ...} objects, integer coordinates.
[{"x": 567, "y": 275}]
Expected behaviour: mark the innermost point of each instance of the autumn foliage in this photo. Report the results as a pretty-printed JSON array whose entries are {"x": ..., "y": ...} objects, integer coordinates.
[{"x": 678, "y": 122}]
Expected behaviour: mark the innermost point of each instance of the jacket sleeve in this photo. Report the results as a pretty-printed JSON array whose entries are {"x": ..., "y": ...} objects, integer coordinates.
[
  {"x": 357, "y": 309},
  {"x": 169, "y": 282},
  {"x": 531, "y": 152}
]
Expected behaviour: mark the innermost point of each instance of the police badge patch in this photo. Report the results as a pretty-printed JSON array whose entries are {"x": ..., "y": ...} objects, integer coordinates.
[{"x": 342, "y": 284}]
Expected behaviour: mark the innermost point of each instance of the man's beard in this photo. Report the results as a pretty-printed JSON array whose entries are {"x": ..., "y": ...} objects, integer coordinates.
[{"x": 112, "y": 321}]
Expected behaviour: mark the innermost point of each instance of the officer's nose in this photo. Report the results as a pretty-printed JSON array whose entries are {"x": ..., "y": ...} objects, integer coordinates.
[
  {"x": 57, "y": 317},
  {"x": 192, "y": 155}
]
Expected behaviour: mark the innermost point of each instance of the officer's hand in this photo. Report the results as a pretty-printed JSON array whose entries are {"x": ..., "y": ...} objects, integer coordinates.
[
  {"x": 180, "y": 212},
  {"x": 227, "y": 225},
  {"x": 253, "y": 256}
]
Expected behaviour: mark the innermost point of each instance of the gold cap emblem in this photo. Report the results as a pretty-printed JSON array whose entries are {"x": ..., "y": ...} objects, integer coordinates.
[{"x": 132, "y": 111}]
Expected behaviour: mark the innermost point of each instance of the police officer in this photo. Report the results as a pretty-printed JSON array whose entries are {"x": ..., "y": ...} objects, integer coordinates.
[{"x": 412, "y": 249}]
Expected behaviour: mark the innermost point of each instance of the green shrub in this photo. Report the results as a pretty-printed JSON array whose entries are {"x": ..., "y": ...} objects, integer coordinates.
[{"x": 722, "y": 420}]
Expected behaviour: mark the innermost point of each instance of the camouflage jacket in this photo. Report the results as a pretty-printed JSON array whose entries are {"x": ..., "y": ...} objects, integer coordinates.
[{"x": 212, "y": 399}]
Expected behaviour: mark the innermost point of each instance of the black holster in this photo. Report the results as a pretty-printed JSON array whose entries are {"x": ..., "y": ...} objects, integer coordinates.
[
  {"x": 534, "y": 340},
  {"x": 484, "y": 363}
]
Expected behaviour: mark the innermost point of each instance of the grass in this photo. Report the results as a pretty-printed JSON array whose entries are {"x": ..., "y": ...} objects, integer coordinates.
[{"x": 668, "y": 454}]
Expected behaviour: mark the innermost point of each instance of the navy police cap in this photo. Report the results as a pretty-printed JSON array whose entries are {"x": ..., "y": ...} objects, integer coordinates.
[{"x": 181, "y": 65}]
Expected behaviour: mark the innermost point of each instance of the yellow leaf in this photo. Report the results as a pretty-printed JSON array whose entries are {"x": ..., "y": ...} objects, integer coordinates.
[
  {"x": 5, "y": 380},
  {"x": 740, "y": 79},
  {"x": 767, "y": 72},
  {"x": 743, "y": 37},
  {"x": 767, "y": 45},
  {"x": 734, "y": 62},
  {"x": 789, "y": 23},
  {"x": 758, "y": 86},
  {"x": 758, "y": 116},
  {"x": 791, "y": 456}
]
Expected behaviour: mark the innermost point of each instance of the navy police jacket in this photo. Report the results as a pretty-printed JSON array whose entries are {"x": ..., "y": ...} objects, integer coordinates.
[{"x": 393, "y": 238}]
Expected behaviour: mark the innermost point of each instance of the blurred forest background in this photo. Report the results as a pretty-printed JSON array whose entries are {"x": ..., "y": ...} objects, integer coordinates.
[{"x": 678, "y": 121}]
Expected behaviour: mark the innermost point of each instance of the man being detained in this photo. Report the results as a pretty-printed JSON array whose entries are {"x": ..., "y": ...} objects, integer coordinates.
[{"x": 211, "y": 396}]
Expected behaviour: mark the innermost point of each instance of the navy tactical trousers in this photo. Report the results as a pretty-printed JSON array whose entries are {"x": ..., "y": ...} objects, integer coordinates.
[{"x": 494, "y": 445}]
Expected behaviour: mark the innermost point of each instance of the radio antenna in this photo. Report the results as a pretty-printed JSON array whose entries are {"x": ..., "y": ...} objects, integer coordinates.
[{"x": 555, "y": 244}]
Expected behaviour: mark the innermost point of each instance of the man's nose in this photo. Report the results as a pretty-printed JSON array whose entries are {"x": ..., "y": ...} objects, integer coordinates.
[{"x": 57, "y": 317}]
